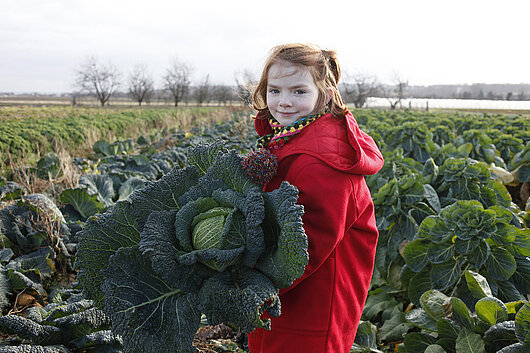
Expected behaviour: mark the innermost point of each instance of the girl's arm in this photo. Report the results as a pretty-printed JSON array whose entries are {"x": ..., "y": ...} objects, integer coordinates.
[{"x": 329, "y": 208}]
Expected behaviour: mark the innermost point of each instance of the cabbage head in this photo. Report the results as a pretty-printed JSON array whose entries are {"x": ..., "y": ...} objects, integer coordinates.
[{"x": 202, "y": 240}]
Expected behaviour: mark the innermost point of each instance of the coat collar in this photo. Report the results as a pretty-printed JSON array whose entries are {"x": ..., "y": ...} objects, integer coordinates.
[{"x": 336, "y": 141}]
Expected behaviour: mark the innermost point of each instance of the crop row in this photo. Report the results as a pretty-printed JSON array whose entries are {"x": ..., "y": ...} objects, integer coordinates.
[{"x": 28, "y": 133}]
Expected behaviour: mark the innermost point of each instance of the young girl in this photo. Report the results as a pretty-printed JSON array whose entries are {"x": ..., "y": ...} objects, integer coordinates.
[{"x": 321, "y": 150}]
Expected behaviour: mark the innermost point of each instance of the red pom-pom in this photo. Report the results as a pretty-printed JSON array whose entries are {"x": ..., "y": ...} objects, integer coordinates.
[{"x": 260, "y": 166}]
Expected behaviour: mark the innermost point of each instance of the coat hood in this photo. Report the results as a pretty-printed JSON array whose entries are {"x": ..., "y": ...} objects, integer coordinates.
[{"x": 336, "y": 141}]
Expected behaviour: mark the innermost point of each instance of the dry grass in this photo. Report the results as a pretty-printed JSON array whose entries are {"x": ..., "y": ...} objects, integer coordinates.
[{"x": 68, "y": 177}]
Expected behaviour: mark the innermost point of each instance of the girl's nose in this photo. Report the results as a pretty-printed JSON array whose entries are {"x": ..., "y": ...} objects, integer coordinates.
[{"x": 284, "y": 101}]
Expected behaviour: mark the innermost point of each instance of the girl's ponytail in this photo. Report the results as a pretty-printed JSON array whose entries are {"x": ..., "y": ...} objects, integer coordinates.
[
  {"x": 333, "y": 63},
  {"x": 336, "y": 105}
]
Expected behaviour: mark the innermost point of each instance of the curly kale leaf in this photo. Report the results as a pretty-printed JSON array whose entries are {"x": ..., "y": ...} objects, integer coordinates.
[
  {"x": 163, "y": 194},
  {"x": 104, "y": 341},
  {"x": 203, "y": 156},
  {"x": 286, "y": 255},
  {"x": 5, "y": 289},
  {"x": 239, "y": 298},
  {"x": 121, "y": 226},
  {"x": 228, "y": 168},
  {"x": 149, "y": 314},
  {"x": 84, "y": 322},
  {"x": 56, "y": 311},
  {"x": 40, "y": 263},
  {"x": 160, "y": 244},
  {"x": 25, "y": 328},
  {"x": 20, "y": 281},
  {"x": 26, "y": 348}
]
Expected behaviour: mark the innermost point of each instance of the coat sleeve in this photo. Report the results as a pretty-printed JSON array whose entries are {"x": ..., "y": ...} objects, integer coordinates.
[{"x": 329, "y": 208}]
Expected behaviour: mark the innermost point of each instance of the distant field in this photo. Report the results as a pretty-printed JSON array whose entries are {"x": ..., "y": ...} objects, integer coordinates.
[
  {"x": 29, "y": 132},
  {"x": 93, "y": 102},
  {"x": 417, "y": 104}
]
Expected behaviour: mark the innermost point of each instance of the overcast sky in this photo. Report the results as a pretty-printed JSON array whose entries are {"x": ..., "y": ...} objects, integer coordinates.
[{"x": 42, "y": 42}]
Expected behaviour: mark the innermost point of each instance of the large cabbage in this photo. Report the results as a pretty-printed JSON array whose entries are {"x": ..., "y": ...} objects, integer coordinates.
[{"x": 201, "y": 240}]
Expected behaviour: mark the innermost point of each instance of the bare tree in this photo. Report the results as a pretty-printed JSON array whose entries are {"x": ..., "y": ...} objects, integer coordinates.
[
  {"x": 358, "y": 87},
  {"x": 222, "y": 93},
  {"x": 396, "y": 92},
  {"x": 141, "y": 85},
  {"x": 177, "y": 80},
  {"x": 245, "y": 86},
  {"x": 98, "y": 79},
  {"x": 203, "y": 90}
]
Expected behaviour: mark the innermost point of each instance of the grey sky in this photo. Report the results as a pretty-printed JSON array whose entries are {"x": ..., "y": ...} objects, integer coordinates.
[{"x": 426, "y": 42}]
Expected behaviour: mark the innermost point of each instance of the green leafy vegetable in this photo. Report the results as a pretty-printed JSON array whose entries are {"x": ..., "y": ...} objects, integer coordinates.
[{"x": 203, "y": 239}]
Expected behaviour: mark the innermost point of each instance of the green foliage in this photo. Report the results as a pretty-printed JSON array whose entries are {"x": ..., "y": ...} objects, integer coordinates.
[
  {"x": 400, "y": 206},
  {"x": 102, "y": 236},
  {"x": 462, "y": 147},
  {"x": 84, "y": 205},
  {"x": 396, "y": 166},
  {"x": 99, "y": 185},
  {"x": 448, "y": 322},
  {"x": 508, "y": 146},
  {"x": 365, "y": 340},
  {"x": 69, "y": 323},
  {"x": 10, "y": 191},
  {"x": 49, "y": 166},
  {"x": 129, "y": 186},
  {"x": 521, "y": 163},
  {"x": 467, "y": 179},
  {"x": 28, "y": 132},
  {"x": 483, "y": 147},
  {"x": 27, "y": 222},
  {"x": 103, "y": 148},
  {"x": 414, "y": 138},
  {"x": 203, "y": 239},
  {"x": 466, "y": 236},
  {"x": 443, "y": 135}
]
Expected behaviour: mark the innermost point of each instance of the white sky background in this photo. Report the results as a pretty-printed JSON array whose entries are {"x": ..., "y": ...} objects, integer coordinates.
[{"x": 42, "y": 42}]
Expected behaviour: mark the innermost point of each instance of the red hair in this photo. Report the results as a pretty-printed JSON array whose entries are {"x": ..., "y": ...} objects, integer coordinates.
[{"x": 323, "y": 66}]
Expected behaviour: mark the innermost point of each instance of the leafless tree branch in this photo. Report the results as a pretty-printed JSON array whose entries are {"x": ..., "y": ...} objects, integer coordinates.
[
  {"x": 358, "y": 87},
  {"x": 177, "y": 80},
  {"x": 141, "y": 85},
  {"x": 98, "y": 79},
  {"x": 203, "y": 90},
  {"x": 395, "y": 92}
]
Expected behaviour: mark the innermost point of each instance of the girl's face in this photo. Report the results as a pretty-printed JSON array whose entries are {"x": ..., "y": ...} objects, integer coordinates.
[{"x": 291, "y": 92}]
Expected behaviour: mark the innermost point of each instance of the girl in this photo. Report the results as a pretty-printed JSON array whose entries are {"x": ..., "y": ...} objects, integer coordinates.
[{"x": 321, "y": 151}]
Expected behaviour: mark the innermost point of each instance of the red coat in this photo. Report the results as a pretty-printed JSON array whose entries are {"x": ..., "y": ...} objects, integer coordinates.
[{"x": 322, "y": 309}]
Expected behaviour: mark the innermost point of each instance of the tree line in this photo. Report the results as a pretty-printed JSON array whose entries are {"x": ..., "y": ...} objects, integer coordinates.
[{"x": 104, "y": 80}]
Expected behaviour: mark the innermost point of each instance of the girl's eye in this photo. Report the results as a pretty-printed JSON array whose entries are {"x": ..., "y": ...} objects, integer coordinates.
[
  {"x": 273, "y": 90},
  {"x": 299, "y": 91}
]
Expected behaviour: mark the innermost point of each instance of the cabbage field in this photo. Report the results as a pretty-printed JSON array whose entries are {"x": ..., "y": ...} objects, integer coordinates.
[{"x": 87, "y": 263}]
